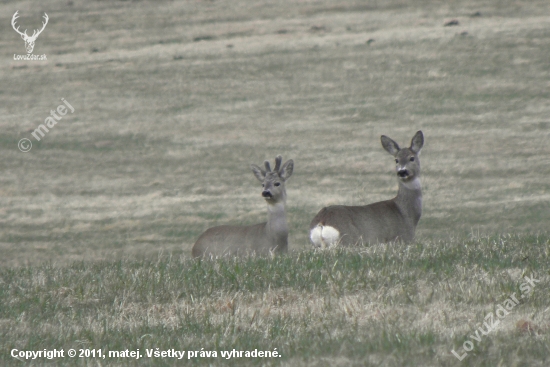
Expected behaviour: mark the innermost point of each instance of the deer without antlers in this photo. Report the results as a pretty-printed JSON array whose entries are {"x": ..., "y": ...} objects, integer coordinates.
[
  {"x": 263, "y": 238},
  {"x": 29, "y": 41},
  {"x": 385, "y": 221}
]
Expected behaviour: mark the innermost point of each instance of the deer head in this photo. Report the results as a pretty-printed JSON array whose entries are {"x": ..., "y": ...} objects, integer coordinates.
[
  {"x": 273, "y": 182},
  {"x": 407, "y": 159},
  {"x": 29, "y": 41}
]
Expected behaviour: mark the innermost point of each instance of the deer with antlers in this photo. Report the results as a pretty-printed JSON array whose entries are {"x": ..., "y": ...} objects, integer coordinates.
[
  {"x": 29, "y": 41},
  {"x": 262, "y": 238}
]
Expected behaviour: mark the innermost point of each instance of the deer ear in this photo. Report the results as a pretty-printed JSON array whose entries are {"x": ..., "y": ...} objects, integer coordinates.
[
  {"x": 389, "y": 145},
  {"x": 286, "y": 170},
  {"x": 258, "y": 172},
  {"x": 417, "y": 142}
]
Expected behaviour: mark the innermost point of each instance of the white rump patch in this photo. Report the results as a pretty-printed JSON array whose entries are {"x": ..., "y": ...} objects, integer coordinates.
[
  {"x": 315, "y": 236},
  {"x": 324, "y": 236}
]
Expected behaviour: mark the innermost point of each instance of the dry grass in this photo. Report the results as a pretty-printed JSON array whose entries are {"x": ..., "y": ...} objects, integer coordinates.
[
  {"x": 174, "y": 100},
  {"x": 164, "y": 129}
]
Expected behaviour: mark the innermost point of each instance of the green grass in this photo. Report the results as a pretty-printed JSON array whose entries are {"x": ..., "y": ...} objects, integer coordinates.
[{"x": 352, "y": 306}]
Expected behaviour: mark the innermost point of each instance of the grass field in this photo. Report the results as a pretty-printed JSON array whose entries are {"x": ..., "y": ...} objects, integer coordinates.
[{"x": 172, "y": 102}]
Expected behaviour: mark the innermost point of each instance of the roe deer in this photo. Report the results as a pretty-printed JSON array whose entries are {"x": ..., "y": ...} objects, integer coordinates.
[
  {"x": 385, "y": 221},
  {"x": 263, "y": 238}
]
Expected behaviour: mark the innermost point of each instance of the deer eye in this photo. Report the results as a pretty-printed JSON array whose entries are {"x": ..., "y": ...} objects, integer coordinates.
[
  {"x": 412, "y": 159},
  {"x": 263, "y": 185},
  {"x": 277, "y": 184},
  {"x": 397, "y": 161}
]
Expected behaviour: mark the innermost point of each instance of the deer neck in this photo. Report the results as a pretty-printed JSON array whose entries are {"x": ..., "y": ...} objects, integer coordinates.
[
  {"x": 276, "y": 225},
  {"x": 409, "y": 199}
]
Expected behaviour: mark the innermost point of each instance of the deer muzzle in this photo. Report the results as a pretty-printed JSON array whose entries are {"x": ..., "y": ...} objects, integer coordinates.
[{"x": 403, "y": 173}]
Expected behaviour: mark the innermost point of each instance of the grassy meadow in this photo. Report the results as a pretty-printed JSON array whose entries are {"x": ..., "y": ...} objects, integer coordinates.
[{"x": 173, "y": 100}]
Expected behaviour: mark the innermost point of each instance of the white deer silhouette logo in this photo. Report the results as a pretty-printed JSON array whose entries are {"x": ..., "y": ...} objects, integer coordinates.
[{"x": 29, "y": 41}]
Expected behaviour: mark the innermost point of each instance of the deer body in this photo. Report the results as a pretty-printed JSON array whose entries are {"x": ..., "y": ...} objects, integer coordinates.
[
  {"x": 262, "y": 238},
  {"x": 384, "y": 221}
]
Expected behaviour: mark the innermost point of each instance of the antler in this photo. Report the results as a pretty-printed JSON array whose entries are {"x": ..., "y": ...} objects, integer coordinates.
[
  {"x": 13, "y": 19},
  {"x": 278, "y": 161},
  {"x": 35, "y": 34}
]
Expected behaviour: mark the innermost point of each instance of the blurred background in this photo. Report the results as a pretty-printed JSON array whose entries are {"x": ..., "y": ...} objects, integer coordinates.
[{"x": 173, "y": 100}]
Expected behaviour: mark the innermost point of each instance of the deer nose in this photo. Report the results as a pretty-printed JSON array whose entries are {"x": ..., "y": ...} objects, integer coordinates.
[
  {"x": 267, "y": 194},
  {"x": 402, "y": 173}
]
